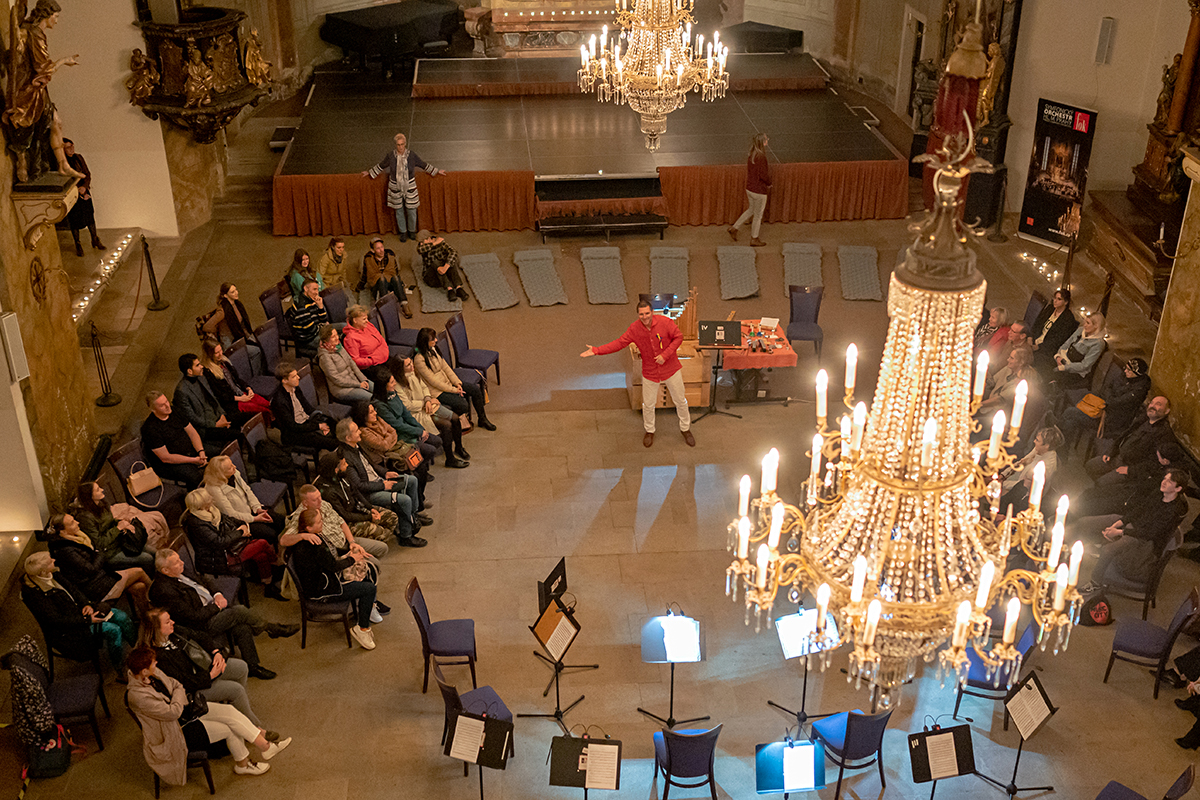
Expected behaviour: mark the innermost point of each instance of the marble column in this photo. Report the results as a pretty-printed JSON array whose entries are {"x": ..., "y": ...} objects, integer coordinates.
[{"x": 197, "y": 175}]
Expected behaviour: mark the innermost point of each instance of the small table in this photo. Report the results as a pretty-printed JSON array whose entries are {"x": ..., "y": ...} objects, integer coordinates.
[{"x": 748, "y": 364}]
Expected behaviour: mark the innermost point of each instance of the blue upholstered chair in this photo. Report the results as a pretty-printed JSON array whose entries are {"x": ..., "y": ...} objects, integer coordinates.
[
  {"x": 335, "y": 305},
  {"x": 483, "y": 700},
  {"x": 852, "y": 736},
  {"x": 389, "y": 316},
  {"x": 1148, "y": 645},
  {"x": 319, "y": 610},
  {"x": 272, "y": 305},
  {"x": 267, "y": 335},
  {"x": 394, "y": 350},
  {"x": 269, "y": 493},
  {"x": 686, "y": 754},
  {"x": 1146, "y": 591},
  {"x": 1119, "y": 791},
  {"x": 978, "y": 683},
  {"x": 168, "y": 498},
  {"x": 464, "y": 356},
  {"x": 805, "y": 308},
  {"x": 447, "y": 639}
]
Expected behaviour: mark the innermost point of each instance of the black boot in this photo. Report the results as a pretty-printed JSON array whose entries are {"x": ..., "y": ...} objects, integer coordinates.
[
  {"x": 486, "y": 423},
  {"x": 96, "y": 243},
  {"x": 461, "y": 453},
  {"x": 78, "y": 246},
  {"x": 273, "y": 590}
]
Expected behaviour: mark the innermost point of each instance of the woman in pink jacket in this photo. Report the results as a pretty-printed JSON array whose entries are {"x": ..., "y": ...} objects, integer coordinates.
[{"x": 365, "y": 344}]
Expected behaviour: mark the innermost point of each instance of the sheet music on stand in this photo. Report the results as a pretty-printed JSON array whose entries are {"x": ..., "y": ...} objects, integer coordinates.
[
  {"x": 555, "y": 630},
  {"x": 794, "y": 630},
  {"x": 941, "y": 753},
  {"x": 478, "y": 739},
  {"x": 585, "y": 763},
  {"x": 789, "y": 766},
  {"x": 1028, "y": 705}
]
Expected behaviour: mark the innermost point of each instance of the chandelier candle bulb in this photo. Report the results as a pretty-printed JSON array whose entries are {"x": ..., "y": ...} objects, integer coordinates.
[
  {"x": 583, "y": 56},
  {"x": 1010, "y": 621},
  {"x": 860, "y": 579},
  {"x": 744, "y": 496},
  {"x": 822, "y": 605},
  {"x": 985, "y": 585},
  {"x": 814, "y": 478},
  {"x": 764, "y": 560},
  {"x": 981, "y": 368},
  {"x": 1039, "y": 483},
  {"x": 1056, "y": 543},
  {"x": 1019, "y": 407},
  {"x": 873, "y": 612},
  {"x": 960, "y": 625},
  {"x": 743, "y": 538},
  {"x": 592, "y": 46},
  {"x": 851, "y": 368},
  {"x": 1060, "y": 516},
  {"x": 997, "y": 432},
  {"x": 1076, "y": 559},
  {"x": 844, "y": 441},
  {"x": 776, "y": 526},
  {"x": 928, "y": 440},
  {"x": 770, "y": 470},
  {"x": 856, "y": 428},
  {"x": 1060, "y": 587},
  {"x": 822, "y": 404}
]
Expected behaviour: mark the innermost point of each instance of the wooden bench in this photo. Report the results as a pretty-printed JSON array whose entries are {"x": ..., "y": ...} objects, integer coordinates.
[{"x": 605, "y": 223}]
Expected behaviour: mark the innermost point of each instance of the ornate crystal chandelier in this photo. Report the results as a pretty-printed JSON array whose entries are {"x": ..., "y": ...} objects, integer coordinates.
[
  {"x": 654, "y": 63},
  {"x": 899, "y": 536}
]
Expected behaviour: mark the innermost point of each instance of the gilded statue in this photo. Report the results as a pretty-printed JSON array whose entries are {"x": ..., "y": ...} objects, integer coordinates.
[
  {"x": 33, "y": 126},
  {"x": 198, "y": 87},
  {"x": 1170, "y": 72},
  {"x": 144, "y": 80},
  {"x": 990, "y": 85},
  {"x": 258, "y": 70}
]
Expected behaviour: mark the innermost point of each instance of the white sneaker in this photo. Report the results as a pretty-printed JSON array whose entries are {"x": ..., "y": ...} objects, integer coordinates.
[
  {"x": 364, "y": 638},
  {"x": 251, "y": 768},
  {"x": 376, "y": 617},
  {"x": 274, "y": 748}
]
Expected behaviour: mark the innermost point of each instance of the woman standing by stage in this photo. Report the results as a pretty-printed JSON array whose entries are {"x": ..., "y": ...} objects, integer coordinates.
[
  {"x": 758, "y": 183},
  {"x": 401, "y": 166}
]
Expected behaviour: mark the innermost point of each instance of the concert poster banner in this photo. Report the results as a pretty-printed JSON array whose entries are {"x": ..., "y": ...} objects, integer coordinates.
[{"x": 1058, "y": 167}]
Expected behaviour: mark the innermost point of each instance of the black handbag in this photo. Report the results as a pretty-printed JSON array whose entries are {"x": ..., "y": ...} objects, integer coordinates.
[
  {"x": 1074, "y": 354},
  {"x": 197, "y": 655},
  {"x": 133, "y": 542},
  {"x": 196, "y": 708}
]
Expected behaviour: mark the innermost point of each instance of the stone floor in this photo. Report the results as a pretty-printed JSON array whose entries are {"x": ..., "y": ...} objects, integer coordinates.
[{"x": 566, "y": 475}]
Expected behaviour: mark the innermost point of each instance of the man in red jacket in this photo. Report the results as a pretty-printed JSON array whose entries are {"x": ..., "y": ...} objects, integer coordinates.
[{"x": 657, "y": 338}]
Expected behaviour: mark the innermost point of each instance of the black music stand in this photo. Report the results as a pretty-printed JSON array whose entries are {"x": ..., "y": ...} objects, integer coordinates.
[
  {"x": 672, "y": 639},
  {"x": 941, "y": 753},
  {"x": 789, "y": 766},
  {"x": 707, "y": 331},
  {"x": 480, "y": 740},
  {"x": 556, "y": 630},
  {"x": 1029, "y": 707},
  {"x": 794, "y": 630},
  {"x": 554, "y": 586},
  {"x": 569, "y": 760}
]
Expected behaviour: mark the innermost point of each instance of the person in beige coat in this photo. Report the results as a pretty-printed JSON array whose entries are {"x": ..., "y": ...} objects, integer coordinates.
[
  {"x": 159, "y": 702},
  {"x": 437, "y": 419},
  {"x": 345, "y": 380},
  {"x": 436, "y": 373}
]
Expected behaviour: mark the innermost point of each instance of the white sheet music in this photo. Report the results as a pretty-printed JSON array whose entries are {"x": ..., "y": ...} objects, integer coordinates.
[
  {"x": 468, "y": 740},
  {"x": 681, "y": 637},
  {"x": 560, "y": 640},
  {"x": 798, "y": 767},
  {"x": 943, "y": 760},
  {"x": 602, "y": 766},
  {"x": 1028, "y": 709}
]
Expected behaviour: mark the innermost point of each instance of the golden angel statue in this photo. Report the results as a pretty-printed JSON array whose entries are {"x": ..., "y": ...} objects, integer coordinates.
[
  {"x": 258, "y": 70},
  {"x": 198, "y": 87},
  {"x": 33, "y": 126},
  {"x": 144, "y": 80}
]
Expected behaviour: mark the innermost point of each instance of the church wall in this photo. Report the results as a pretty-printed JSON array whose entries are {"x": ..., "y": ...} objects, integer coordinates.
[{"x": 124, "y": 148}]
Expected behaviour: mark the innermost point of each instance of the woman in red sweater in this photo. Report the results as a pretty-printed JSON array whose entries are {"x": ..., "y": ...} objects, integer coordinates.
[{"x": 758, "y": 183}]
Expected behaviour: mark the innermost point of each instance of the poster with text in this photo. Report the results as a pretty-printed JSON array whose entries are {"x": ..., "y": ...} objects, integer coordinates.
[{"x": 1062, "y": 144}]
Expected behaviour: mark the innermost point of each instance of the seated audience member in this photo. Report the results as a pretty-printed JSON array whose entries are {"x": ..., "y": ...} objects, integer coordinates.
[
  {"x": 172, "y": 445},
  {"x": 385, "y": 447},
  {"x": 195, "y": 400},
  {"x": 365, "y": 520},
  {"x": 322, "y": 576},
  {"x": 436, "y": 373},
  {"x": 1017, "y": 484},
  {"x": 992, "y": 332},
  {"x": 335, "y": 532},
  {"x": 1017, "y": 337},
  {"x": 419, "y": 400},
  {"x": 69, "y": 619},
  {"x": 365, "y": 344},
  {"x": 381, "y": 274},
  {"x": 169, "y": 732},
  {"x": 1191, "y": 739},
  {"x": 194, "y": 604},
  {"x": 1137, "y": 443},
  {"x": 236, "y": 500},
  {"x": 196, "y": 660},
  {"x": 342, "y": 376},
  {"x": 83, "y": 565},
  {"x": 1051, "y": 328},
  {"x": 236, "y": 397},
  {"x": 1138, "y": 537},
  {"x": 306, "y": 316},
  {"x": 115, "y": 529},
  {"x": 300, "y": 272},
  {"x": 231, "y": 322},
  {"x": 381, "y": 486},
  {"x": 333, "y": 265},
  {"x": 440, "y": 266},
  {"x": 300, "y": 425},
  {"x": 223, "y": 546},
  {"x": 1004, "y": 387},
  {"x": 1123, "y": 394},
  {"x": 1139, "y": 479},
  {"x": 1075, "y": 360}
]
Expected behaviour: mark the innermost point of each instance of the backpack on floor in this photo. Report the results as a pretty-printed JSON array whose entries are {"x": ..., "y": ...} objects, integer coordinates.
[{"x": 1096, "y": 611}]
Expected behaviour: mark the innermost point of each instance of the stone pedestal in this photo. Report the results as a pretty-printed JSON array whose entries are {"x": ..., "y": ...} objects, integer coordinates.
[{"x": 197, "y": 176}]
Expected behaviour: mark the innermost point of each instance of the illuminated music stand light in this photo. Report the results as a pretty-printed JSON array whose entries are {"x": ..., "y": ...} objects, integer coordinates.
[
  {"x": 672, "y": 639},
  {"x": 795, "y": 636},
  {"x": 789, "y": 766}
]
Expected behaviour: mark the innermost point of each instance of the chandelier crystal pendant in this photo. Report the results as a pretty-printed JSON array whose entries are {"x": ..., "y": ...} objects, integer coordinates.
[
  {"x": 654, "y": 62},
  {"x": 898, "y": 532}
]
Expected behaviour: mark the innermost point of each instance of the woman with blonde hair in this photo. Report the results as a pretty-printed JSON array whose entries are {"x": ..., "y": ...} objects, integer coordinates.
[
  {"x": 235, "y": 499},
  {"x": 758, "y": 183},
  {"x": 1074, "y": 361},
  {"x": 223, "y": 545}
]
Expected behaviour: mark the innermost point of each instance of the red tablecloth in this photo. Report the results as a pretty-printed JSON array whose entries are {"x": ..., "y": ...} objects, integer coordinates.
[{"x": 784, "y": 356}]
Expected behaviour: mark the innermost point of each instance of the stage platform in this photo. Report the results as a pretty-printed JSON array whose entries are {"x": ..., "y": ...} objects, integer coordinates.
[
  {"x": 494, "y": 77},
  {"x": 826, "y": 163}
]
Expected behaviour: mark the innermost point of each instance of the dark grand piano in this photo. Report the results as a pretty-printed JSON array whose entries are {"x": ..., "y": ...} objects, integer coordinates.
[{"x": 394, "y": 31}]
